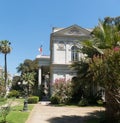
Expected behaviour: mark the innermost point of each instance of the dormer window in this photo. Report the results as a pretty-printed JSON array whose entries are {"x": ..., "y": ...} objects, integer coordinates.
[{"x": 74, "y": 53}]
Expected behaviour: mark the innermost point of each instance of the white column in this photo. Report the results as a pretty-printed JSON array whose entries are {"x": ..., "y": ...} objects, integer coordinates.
[
  {"x": 39, "y": 77},
  {"x": 53, "y": 48},
  {"x": 65, "y": 53}
]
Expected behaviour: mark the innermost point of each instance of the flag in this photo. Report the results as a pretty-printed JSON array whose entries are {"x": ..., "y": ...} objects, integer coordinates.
[{"x": 40, "y": 49}]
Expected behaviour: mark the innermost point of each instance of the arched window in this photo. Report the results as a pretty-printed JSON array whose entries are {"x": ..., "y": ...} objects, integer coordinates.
[{"x": 74, "y": 53}]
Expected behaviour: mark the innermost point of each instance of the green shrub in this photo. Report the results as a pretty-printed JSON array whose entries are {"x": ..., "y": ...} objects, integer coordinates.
[
  {"x": 14, "y": 93},
  {"x": 33, "y": 99},
  {"x": 93, "y": 98},
  {"x": 4, "y": 112},
  {"x": 54, "y": 100},
  {"x": 100, "y": 102},
  {"x": 83, "y": 102}
]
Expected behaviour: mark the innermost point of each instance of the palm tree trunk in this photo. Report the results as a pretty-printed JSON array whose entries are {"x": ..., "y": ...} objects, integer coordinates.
[{"x": 5, "y": 72}]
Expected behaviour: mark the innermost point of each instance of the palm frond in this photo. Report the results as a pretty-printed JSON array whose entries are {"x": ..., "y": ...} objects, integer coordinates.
[{"x": 98, "y": 49}]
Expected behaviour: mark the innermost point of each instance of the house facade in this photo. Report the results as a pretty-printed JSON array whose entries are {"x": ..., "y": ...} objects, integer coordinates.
[{"x": 64, "y": 44}]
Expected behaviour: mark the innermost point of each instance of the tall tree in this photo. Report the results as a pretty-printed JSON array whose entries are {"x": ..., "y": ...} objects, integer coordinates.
[
  {"x": 107, "y": 33},
  {"x": 106, "y": 72},
  {"x": 27, "y": 67},
  {"x": 5, "y": 48},
  {"x": 103, "y": 65},
  {"x": 29, "y": 79}
]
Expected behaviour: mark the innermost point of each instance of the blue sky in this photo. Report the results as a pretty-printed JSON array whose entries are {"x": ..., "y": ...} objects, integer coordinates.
[{"x": 27, "y": 24}]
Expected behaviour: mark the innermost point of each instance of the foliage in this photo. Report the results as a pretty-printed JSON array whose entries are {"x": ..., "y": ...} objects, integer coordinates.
[
  {"x": 109, "y": 76},
  {"x": 92, "y": 99},
  {"x": 3, "y": 99},
  {"x": 105, "y": 65},
  {"x": 5, "y": 46},
  {"x": 100, "y": 102},
  {"x": 4, "y": 111},
  {"x": 54, "y": 99},
  {"x": 77, "y": 89},
  {"x": 101, "y": 64},
  {"x": 33, "y": 99},
  {"x": 16, "y": 115},
  {"x": 62, "y": 91},
  {"x": 29, "y": 79},
  {"x": 15, "y": 83},
  {"x": 13, "y": 93},
  {"x": 5, "y": 49},
  {"x": 107, "y": 33},
  {"x": 2, "y": 91},
  {"x": 2, "y": 79},
  {"x": 83, "y": 102},
  {"x": 84, "y": 85},
  {"x": 30, "y": 67}
]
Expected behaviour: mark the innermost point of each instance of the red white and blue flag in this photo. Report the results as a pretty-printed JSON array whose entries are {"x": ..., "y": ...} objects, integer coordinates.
[{"x": 40, "y": 49}]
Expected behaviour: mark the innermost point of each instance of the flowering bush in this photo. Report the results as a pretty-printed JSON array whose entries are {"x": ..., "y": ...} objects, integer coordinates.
[{"x": 62, "y": 89}]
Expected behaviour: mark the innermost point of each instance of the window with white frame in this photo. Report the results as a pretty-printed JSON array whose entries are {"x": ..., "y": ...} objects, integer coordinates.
[{"x": 74, "y": 53}]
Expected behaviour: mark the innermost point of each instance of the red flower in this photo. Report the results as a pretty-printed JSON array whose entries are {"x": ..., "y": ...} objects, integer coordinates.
[{"x": 116, "y": 48}]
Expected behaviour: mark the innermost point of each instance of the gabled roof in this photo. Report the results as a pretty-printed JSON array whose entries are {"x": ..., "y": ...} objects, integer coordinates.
[{"x": 73, "y": 30}]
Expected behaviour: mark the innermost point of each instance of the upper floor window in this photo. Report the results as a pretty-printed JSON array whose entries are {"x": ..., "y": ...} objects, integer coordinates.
[
  {"x": 74, "y": 53},
  {"x": 61, "y": 45}
]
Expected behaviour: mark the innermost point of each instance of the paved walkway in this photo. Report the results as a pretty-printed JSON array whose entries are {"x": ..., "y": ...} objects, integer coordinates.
[{"x": 42, "y": 113}]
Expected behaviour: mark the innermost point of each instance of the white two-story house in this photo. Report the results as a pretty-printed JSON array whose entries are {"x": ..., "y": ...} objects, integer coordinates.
[{"x": 64, "y": 43}]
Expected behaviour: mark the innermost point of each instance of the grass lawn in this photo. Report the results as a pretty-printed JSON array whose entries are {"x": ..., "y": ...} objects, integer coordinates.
[
  {"x": 2, "y": 101},
  {"x": 16, "y": 114}
]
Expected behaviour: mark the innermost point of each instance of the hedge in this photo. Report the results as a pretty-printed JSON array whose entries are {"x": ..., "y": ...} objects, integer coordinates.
[{"x": 33, "y": 99}]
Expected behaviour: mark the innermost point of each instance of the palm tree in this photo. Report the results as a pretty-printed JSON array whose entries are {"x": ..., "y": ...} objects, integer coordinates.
[
  {"x": 29, "y": 79},
  {"x": 107, "y": 33},
  {"x": 21, "y": 68},
  {"x": 5, "y": 49}
]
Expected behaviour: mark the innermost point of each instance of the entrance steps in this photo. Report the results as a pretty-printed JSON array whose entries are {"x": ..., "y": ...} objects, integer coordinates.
[{"x": 44, "y": 102}]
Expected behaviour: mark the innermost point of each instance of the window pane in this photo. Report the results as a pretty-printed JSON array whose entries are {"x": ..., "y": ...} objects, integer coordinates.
[{"x": 74, "y": 53}]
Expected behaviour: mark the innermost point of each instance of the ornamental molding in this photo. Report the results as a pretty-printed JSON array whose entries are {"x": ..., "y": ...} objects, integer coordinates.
[{"x": 75, "y": 31}]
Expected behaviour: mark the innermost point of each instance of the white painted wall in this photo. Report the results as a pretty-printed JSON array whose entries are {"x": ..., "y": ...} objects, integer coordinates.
[{"x": 59, "y": 55}]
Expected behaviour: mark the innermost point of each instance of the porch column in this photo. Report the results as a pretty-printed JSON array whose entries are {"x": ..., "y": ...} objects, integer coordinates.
[
  {"x": 53, "y": 48},
  {"x": 39, "y": 77}
]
